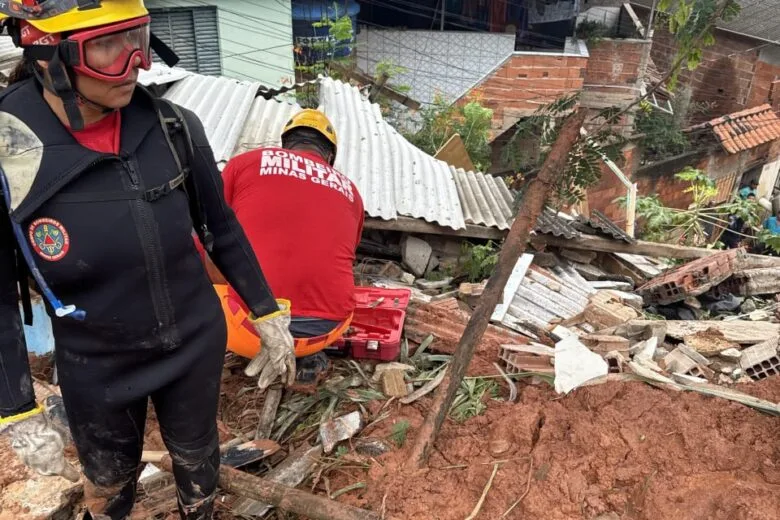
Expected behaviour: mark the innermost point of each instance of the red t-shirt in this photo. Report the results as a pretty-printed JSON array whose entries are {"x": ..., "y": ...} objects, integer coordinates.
[
  {"x": 304, "y": 220},
  {"x": 102, "y": 136}
]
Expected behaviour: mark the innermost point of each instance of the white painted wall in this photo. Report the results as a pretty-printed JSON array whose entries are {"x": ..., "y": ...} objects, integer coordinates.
[{"x": 255, "y": 37}]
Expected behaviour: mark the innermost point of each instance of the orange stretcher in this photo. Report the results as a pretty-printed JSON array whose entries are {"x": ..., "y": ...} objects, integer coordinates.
[{"x": 243, "y": 340}]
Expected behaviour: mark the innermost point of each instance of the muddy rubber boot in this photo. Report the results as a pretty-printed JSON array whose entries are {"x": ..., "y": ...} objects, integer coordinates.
[
  {"x": 309, "y": 368},
  {"x": 203, "y": 510}
]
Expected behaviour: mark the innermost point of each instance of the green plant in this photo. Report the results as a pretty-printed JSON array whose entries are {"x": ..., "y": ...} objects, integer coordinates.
[
  {"x": 480, "y": 260},
  {"x": 698, "y": 223},
  {"x": 340, "y": 34},
  {"x": 398, "y": 433},
  {"x": 592, "y": 31},
  {"x": 770, "y": 240},
  {"x": 530, "y": 143},
  {"x": 469, "y": 401},
  {"x": 692, "y": 23},
  {"x": 663, "y": 134},
  {"x": 441, "y": 120}
]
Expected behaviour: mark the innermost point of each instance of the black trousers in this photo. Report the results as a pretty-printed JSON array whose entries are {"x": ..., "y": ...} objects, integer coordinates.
[{"x": 106, "y": 399}]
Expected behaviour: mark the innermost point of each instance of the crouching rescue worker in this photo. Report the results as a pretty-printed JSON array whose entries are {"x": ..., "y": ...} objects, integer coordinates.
[
  {"x": 304, "y": 220},
  {"x": 102, "y": 187}
]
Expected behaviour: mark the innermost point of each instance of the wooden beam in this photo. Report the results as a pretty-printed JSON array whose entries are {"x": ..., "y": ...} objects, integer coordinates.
[
  {"x": 387, "y": 91},
  {"x": 607, "y": 245},
  {"x": 416, "y": 225}
]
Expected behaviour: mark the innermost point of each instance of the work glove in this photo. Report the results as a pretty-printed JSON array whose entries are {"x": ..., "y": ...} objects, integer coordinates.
[
  {"x": 38, "y": 444},
  {"x": 277, "y": 348}
]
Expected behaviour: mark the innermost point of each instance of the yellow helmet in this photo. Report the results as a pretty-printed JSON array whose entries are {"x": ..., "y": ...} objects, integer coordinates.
[
  {"x": 316, "y": 120},
  {"x": 67, "y": 15}
]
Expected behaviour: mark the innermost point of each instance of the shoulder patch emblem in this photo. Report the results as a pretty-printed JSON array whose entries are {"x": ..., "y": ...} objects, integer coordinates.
[{"x": 49, "y": 239}]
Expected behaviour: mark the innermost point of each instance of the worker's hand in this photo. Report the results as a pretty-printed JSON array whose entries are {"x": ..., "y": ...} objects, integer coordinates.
[
  {"x": 39, "y": 445},
  {"x": 277, "y": 350}
]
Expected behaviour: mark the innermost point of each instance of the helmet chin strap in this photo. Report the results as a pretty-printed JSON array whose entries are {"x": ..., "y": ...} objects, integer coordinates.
[{"x": 71, "y": 98}]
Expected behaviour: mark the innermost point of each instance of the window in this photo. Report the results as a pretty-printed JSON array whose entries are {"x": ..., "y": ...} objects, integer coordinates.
[{"x": 193, "y": 34}]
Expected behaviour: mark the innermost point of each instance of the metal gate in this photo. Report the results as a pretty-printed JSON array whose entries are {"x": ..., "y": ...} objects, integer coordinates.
[{"x": 193, "y": 34}]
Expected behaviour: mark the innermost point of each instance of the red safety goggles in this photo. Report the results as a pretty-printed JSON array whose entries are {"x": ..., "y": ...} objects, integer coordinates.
[{"x": 108, "y": 53}]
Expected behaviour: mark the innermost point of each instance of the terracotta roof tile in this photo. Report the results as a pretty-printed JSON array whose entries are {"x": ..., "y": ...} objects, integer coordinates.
[{"x": 746, "y": 129}]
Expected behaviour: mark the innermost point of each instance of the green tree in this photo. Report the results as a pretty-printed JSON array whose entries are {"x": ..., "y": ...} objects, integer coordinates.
[
  {"x": 530, "y": 143},
  {"x": 441, "y": 120}
]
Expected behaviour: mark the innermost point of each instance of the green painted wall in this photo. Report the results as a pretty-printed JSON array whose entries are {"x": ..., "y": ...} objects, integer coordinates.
[{"x": 255, "y": 37}]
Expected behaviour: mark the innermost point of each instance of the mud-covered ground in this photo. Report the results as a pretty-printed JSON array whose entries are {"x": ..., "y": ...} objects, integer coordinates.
[{"x": 624, "y": 450}]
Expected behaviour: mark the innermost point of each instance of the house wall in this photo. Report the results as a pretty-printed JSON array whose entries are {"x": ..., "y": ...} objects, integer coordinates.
[
  {"x": 734, "y": 74},
  {"x": 658, "y": 178},
  {"x": 526, "y": 81},
  {"x": 255, "y": 38}
]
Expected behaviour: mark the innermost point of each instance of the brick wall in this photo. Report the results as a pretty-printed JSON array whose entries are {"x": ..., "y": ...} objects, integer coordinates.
[
  {"x": 602, "y": 195},
  {"x": 526, "y": 81},
  {"x": 732, "y": 76},
  {"x": 766, "y": 79},
  {"x": 615, "y": 62}
]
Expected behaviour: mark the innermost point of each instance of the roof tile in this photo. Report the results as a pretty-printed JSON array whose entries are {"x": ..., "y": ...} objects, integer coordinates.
[{"x": 746, "y": 129}]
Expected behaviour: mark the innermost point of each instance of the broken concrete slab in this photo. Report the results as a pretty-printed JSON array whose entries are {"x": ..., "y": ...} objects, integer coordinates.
[
  {"x": 694, "y": 355},
  {"x": 575, "y": 364},
  {"x": 416, "y": 253},
  {"x": 532, "y": 348},
  {"x": 693, "y": 278},
  {"x": 677, "y": 361},
  {"x": 640, "y": 330},
  {"x": 603, "y": 344},
  {"x": 644, "y": 349},
  {"x": 742, "y": 332},
  {"x": 686, "y": 379},
  {"x": 339, "y": 429},
  {"x": 709, "y": 342},
  {"x": 753, "y": 282}
]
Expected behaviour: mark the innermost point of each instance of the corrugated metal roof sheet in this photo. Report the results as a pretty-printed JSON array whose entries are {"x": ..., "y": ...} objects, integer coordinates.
[
  {"x": 9, "y": 57},
  {"x": 535, "y": 297},
  {"x": 161, "y": 74},
  {"x": 264, "y": 124},
  {"x": 550, "y": 223},
  {"x": 486, "y": 200},
  {"x": 599, "y": 223},
  {"x": 393, "y": 176},
  {"x": 222, "y": 104}
]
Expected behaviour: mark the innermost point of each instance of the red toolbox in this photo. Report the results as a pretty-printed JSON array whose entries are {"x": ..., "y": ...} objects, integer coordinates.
[{"x": 377, "y": 325}]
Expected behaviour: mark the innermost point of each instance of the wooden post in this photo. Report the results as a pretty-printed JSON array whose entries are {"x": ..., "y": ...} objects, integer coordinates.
[
  {"x": 283, "y": 497},
  {"x": 631, "y": 211},
  {"x": 515, "y": 244}
]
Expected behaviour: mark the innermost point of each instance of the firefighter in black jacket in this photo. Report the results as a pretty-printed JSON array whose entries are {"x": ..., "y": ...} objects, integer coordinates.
[{"x": 100, "y": 198}]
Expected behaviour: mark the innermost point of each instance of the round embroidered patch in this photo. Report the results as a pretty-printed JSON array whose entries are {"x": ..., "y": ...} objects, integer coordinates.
[{"x": 49, "y": 238}]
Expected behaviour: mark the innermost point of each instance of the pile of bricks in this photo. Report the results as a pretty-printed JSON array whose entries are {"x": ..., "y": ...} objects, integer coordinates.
[{"x": 694, "y": 278}]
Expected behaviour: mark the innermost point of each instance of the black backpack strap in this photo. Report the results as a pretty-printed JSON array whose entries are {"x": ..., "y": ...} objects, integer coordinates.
[
  {"x": 23, "y": 278},
  {"x": 177, "y": 134}
]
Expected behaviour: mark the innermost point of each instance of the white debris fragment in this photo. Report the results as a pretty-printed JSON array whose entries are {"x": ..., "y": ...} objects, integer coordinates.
[
  {"x": 339, "y": 429},
  {"x": 575, "y": 364}
]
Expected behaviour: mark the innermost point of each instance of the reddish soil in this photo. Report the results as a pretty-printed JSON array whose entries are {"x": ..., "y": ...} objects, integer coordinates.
[{"x": 626, "y": 450}]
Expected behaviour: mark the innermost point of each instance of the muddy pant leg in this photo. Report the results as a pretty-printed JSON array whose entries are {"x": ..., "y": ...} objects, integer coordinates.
[
  {"x": 109, "y": 443},
  {"x": 187, "y": 412}
]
